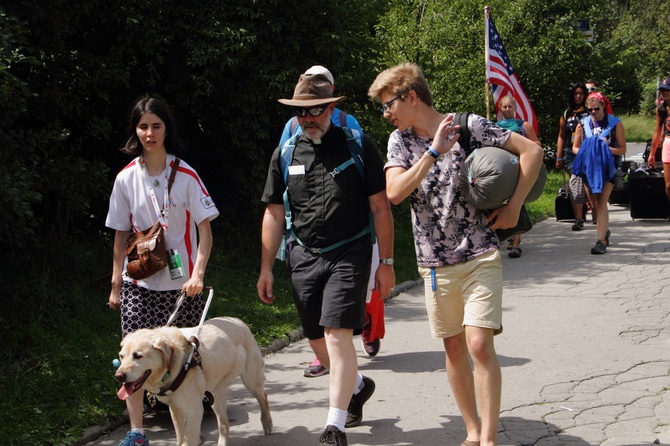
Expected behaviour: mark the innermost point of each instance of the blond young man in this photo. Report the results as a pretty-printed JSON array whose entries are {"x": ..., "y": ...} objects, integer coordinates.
[{"x": 456, "y": 245}]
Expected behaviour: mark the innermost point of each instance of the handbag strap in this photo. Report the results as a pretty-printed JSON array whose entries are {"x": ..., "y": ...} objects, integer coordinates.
[{"x": 173, "y": 174}]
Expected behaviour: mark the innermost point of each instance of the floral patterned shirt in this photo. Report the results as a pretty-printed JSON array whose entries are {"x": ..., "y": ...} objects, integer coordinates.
[{"x": 446, "y": 229}]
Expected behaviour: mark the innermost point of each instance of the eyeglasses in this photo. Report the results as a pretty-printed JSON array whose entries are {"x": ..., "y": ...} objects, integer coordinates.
[
  {"x": 592, "y": 89},
  {"x": 314, "y": 111},
  {"x": 387, "y": 106},
  {"x": 594, "y": 109}
]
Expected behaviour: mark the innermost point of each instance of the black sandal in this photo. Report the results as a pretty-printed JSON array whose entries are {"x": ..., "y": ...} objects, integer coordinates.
[{"x": 514, "y": 253}]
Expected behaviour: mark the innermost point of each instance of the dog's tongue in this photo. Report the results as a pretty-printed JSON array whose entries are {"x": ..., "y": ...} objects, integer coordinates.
[{"x": 125, "y": 391}]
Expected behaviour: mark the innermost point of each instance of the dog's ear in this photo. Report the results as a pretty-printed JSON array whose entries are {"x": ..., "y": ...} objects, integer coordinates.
[{"x": 166, "y": 349}]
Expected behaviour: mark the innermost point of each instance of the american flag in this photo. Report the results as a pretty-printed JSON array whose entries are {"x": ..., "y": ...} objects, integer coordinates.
[{"x": 502, "y": 77}]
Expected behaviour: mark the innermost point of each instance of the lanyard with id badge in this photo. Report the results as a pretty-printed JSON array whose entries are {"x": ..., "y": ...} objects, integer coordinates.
[{"x": 174, "y": 259}]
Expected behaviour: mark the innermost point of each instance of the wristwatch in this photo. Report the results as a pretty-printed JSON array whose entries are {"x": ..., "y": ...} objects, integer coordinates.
[{"x": 387, "y": 261}]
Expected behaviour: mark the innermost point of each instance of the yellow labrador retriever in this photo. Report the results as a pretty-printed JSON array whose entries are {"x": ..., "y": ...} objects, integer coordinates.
[{"x": 155, "y": 360}]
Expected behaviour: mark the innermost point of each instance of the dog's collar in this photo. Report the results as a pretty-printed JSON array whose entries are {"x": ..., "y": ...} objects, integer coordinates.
[{"x": 194, "y": 360}]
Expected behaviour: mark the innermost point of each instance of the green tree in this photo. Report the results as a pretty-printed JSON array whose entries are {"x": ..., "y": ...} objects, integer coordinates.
[
  {"x": 446, "y": 38},
  {"x": 221, "y": 65}
]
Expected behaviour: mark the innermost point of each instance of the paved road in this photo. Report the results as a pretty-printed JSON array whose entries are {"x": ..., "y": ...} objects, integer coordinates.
[{"x": 585, "y": 356}]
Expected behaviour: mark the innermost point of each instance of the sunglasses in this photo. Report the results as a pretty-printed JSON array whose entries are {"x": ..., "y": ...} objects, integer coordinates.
[
  {"x": 387, "y": 106},
  {"x": 314, "y": 111},
  {"x": 594, "y": 109},
  {"x": 592, "y": 89}
]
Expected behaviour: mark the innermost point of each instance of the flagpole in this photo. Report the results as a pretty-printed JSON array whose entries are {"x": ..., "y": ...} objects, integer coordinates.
[{"x": 486, "y": 61}]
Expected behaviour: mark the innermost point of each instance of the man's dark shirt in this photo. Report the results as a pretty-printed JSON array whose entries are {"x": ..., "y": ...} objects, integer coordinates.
[{"x": 326, "y": 209}]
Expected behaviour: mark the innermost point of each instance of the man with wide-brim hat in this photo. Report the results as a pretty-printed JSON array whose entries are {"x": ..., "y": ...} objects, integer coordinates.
[
  {"x": 370, "y": 339},
  {"x": 329, "y": 203},
  {"x": 312, "y": 97}
]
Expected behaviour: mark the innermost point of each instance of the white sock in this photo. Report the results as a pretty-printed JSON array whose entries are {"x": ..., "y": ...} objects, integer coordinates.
[
  {"x": 138, "y": 430},
  {"x": 336, "y": 417},
  {"x": 359, "y": 384}
]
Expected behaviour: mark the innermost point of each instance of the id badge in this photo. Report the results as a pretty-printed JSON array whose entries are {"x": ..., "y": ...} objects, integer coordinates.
[{"x": 175, "y": 265}]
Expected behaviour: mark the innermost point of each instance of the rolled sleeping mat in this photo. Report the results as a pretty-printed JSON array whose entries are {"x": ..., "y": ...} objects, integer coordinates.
[{"x": 489, "y": 175}]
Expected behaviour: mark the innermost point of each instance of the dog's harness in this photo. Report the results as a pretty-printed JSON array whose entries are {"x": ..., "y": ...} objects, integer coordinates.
[{"x": 193, "y": 360}]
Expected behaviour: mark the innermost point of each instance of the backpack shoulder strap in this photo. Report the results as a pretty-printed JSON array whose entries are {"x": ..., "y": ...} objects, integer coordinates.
[
  {"x": 462, "y": 120},
  {"x": 286, "y": 155},
  {"x": 285, "y": 158},
  {"x": 356, "y": 150},
  {"x": 343, "y": 119},
  {"x": 293, "y": 126}
]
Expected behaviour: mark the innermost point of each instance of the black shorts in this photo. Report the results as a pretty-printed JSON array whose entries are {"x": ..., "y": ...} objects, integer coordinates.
[
  {"x": 329, "y": 290},
  {"x": 143, "y": 308}
]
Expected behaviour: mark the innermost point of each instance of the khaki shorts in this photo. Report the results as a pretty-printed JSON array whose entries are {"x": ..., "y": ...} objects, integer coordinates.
[{"x": 468, "y": 293}]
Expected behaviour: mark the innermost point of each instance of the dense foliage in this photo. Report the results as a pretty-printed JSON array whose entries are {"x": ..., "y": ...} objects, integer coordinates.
[{"x": 69, "y": 74}]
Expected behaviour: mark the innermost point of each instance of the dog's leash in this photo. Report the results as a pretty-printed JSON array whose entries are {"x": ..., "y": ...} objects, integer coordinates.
[
  {"x": 182, "y": 303},
  {"x": 194, "y": 338}
]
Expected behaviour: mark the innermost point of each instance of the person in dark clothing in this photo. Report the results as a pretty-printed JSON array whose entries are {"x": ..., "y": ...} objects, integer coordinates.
[
  {"x": 567, "y": 127},
  {"x": 329, "y": 258}
]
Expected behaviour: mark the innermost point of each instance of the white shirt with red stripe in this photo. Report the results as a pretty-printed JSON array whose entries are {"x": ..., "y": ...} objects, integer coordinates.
[{"x": 131, "y": 209}]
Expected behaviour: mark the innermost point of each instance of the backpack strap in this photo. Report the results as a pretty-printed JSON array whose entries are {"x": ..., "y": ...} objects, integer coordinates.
[
  {"x": 464, "y": 141},
  {"x": 293, "y": 125},
  {"x": 355, "y": 146},
  {"x": 343, "y": 119}
]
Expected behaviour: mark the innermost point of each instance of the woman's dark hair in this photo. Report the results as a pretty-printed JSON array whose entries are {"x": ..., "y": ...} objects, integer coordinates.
[
  {"x": 159, "y": 108},
  {"x": 571, "y": 98}
]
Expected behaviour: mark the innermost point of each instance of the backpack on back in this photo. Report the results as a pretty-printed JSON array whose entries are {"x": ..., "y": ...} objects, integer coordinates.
[{"x": 356, "y": 151}]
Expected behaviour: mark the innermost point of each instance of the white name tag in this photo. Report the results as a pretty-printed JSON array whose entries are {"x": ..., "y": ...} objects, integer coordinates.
[{"x": 296, "y": 170}]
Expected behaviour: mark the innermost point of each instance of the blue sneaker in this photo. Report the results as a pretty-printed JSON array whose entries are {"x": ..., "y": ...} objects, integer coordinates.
[{"x": 134, "y": 439}]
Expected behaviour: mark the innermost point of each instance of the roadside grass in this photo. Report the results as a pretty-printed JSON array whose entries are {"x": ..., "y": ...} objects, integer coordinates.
[
  {"x": 60, "y": 338},
  {"x": 639, "y": 128}
]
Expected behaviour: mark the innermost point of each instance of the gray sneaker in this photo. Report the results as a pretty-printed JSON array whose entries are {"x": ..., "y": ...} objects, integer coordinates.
[
  {"x": 578, "y": 225},
  {"x": 600, "y": 248}
]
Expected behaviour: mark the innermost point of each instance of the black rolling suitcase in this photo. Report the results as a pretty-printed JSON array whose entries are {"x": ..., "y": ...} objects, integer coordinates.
[
  {"x": 620, "y": 193},
  {"x": 563, "y": 205},
  {"x": 647, "y": 194}
]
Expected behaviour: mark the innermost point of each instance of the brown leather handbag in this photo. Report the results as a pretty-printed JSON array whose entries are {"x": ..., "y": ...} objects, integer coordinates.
[{"x": 146, "y": 250}]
